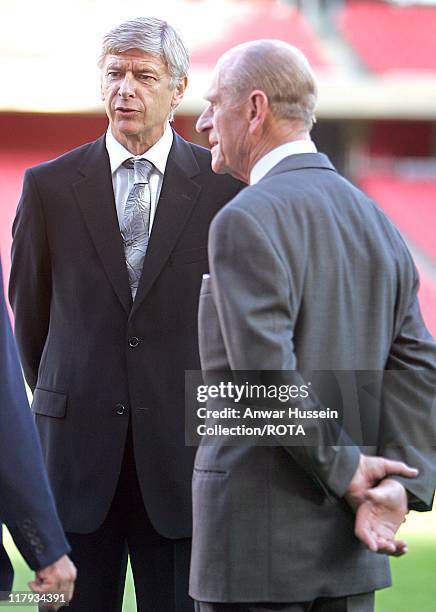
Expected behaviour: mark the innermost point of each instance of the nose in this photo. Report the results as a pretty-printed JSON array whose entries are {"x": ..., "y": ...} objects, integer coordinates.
[
  {"x": 204, "y": 122},
  {"x": 127, "y": 87}
]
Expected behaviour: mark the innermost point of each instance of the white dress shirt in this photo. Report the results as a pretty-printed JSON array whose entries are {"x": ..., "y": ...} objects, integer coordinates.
[
  {"x": 122, "y": 178},
  {"x": 271, "y": 159}
]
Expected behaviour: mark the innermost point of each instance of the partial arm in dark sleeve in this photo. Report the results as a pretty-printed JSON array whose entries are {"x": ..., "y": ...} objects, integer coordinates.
[{"x": 26, "y": 502}]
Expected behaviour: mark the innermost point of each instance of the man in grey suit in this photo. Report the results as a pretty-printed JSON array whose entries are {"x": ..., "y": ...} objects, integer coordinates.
[{"x": 306, "y": 274}]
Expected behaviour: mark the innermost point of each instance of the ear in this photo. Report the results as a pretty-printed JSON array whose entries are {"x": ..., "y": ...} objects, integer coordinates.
[
  {"x": 258, "y": 106},
  {"x": 102, "y": 67},
  {"x": 179, "y": 92}
]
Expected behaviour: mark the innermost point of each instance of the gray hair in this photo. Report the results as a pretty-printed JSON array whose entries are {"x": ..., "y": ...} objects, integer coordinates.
[
  {"x": 151, "y": 35},
  {"x": 278, "y": 69}
]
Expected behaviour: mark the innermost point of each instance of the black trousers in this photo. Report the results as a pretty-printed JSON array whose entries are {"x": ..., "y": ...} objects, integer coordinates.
[
  {"x": 352, "y": 603},
  {"x": 160, "y": 566}
]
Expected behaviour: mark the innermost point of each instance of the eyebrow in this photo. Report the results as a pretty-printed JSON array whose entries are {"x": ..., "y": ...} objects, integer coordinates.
[
  {"x": 142, "y": 68},
  {"x": 147, "y": 69}
]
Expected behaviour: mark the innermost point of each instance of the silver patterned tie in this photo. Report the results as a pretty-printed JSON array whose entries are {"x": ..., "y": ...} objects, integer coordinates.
[{"x": 136, "y": 220}]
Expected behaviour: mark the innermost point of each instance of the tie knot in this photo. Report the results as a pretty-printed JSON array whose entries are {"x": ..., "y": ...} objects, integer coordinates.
[{"x": 141, "y": 169}]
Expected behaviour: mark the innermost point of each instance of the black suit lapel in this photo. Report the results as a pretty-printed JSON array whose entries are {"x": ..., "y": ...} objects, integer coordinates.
[
  {"x": 178, "y": 197},
  {"x": 94, "y": 193}
]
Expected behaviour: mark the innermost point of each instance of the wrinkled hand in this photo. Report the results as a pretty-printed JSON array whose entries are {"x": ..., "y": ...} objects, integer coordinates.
[
  {"x": 58, "y": 579},
  {"x": 380, "y": 516},
  {"x": 371, "y": 471},
  {"x": 381, "y": 509}
]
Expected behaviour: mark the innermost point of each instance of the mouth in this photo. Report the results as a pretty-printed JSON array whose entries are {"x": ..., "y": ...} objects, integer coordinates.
[{"x": 126, "y": 111}]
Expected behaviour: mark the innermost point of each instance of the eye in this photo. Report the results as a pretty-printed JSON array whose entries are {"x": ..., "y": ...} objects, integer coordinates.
[
  {"x": 113, "y": 74},
  {"x": 146, "y": 77}
]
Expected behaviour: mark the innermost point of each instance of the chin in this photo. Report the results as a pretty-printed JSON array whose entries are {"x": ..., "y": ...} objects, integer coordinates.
[
  {"x": 219, "y": 169},
  {"x": 126, "y": 126},
  {"x": 217, "y": 165}
]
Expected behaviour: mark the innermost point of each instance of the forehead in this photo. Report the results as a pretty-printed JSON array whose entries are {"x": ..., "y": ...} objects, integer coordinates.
[
  {"x": 136, "y": 57},
  {"x": 215, "y": 89}
]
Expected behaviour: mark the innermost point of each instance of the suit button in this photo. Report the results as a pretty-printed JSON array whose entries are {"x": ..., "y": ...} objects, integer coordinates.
[
  {"x": 134, "y": 342},
  {"x": 35, "y": 542},
  {"x": 120, "y": 409}
]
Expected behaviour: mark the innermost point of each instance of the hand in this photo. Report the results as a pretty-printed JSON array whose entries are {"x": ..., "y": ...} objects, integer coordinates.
[
  {"x": 370, "y": 471},
  {"x": 57, "y": 578},
  {"x": 379, "y": 517},
  {"x": 380, "y": 510}
]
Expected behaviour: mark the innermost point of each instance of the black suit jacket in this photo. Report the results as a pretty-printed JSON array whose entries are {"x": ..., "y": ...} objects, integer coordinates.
[
  {"x": 93, "y": 359},
  {"x": 26, "y": 502}
]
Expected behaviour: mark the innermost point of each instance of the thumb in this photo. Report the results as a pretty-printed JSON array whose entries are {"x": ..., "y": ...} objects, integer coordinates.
[
  {"x": 399, "y": 468},
  {"x": 389, "y": 492},
  {"x": 35, "y": 586},
  {"x": 376, "y": 495}
]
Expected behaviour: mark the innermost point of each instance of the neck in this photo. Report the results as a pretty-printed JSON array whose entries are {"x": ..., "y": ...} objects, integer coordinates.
[
  {"x": 272, "y": 137},
  {"x": 138, "y": 144}
]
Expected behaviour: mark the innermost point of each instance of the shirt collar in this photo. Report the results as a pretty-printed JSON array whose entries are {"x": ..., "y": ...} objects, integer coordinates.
[
  {"x": 157, "y": 154},
  {"x": 273, "y": 157}
]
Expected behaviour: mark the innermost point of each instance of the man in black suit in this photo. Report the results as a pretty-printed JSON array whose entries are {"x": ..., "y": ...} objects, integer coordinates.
[
  {"x": 110, "y": 244},
  {"x": 306, "y": 275},
  {"x": 26, "y": 501}
]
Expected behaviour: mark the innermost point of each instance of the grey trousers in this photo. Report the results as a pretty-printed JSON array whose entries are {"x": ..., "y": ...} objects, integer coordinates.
[{"x": 352, "y": 603}]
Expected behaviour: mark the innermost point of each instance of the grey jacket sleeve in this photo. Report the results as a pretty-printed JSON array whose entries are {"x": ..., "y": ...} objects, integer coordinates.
[{"x": 408, "y": 428}]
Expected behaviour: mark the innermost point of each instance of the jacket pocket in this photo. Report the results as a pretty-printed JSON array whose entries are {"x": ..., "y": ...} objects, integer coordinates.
[
  {"x": 210, "y": 472},
  {"x": 49, "y": 403}
]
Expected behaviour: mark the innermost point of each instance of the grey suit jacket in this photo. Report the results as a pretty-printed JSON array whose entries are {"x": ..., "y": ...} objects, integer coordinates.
[{"x": 306, "y": 273}]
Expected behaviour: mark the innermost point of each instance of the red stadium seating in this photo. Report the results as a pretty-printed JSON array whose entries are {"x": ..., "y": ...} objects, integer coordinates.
[
  {"x": 390, "y": 38},
  {"x": 263, "y": 21},
  {"x": 411, "y": 204}
]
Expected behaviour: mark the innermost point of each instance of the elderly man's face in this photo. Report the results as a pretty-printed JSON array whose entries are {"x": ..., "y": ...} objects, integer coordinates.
[
  {"x": 136, "y": 89},
  {"x": 224, "y": 121}
]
